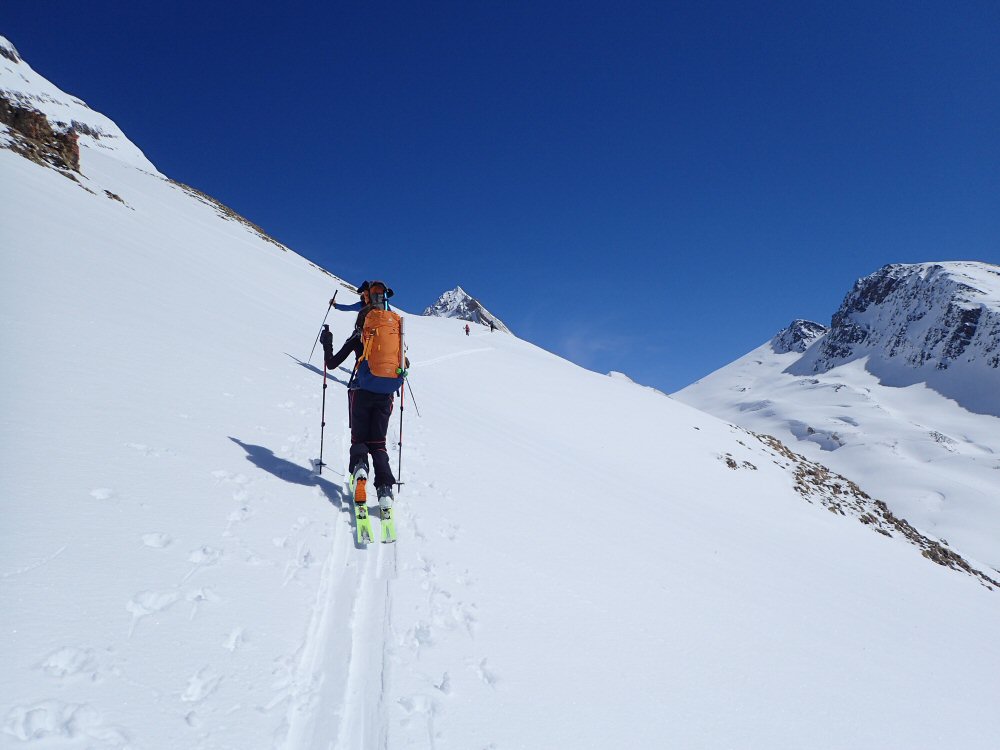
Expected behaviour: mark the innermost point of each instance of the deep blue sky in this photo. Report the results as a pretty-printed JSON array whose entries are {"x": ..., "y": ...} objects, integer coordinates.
[{"x": 650, "y": 187}]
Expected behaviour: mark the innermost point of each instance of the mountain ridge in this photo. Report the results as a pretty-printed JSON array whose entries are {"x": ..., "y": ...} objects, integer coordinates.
[
  {"x": 22, "y": 87},
  {"x": 900, "y": 394},
  {"x": 937, "y": 323},
  {"x": 458, "y": 303}
]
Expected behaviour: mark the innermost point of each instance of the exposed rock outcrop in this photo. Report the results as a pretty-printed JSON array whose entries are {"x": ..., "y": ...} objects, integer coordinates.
[
  {"x": 798, "y": 337},
  {"x": 931, "y": 323},
  {"x": 34, "y": 137},
  {"x": 36, "y": 106},
  {"x": 937, "y": 315},
  {"x": 817, "y": 484}
]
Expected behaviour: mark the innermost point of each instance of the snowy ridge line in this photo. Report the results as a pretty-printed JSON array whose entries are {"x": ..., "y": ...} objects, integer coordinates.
[
  {"x": 937, "y": 323},
  {"x": 226, "y": 212},
  {"x": 840, "y": 495},
  {"x": 23, "y": 86}
]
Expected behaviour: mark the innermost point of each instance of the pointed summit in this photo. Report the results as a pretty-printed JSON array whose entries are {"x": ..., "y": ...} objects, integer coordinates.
[
  {"x": 460, "y": 304},
  {"x": 797, "y": 337}
]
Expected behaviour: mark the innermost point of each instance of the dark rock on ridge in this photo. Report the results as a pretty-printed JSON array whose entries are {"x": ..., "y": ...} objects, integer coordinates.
[
  {"x": 36, "y": 139},
  {"x": 797, "y": 337}
]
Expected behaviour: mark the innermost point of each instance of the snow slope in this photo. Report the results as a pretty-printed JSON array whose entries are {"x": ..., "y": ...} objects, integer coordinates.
[
  {"x": 613, "y": 569},
  {"x": 901, "y": 395}
]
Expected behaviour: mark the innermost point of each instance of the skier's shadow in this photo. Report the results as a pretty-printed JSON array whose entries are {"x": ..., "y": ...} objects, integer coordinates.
[
  {"x": 264, "y": 458},
  {"x": 313, "y": 368}
]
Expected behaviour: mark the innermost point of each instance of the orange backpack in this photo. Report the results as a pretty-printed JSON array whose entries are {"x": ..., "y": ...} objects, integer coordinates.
[{"x": 381, "y": 364}]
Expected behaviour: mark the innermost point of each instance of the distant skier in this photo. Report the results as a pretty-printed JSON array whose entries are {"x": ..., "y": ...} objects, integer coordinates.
[
  {"x": 492, "y": 327},
  {"x": 466, "y": 329},
  {"x": 378, "y": 374}
]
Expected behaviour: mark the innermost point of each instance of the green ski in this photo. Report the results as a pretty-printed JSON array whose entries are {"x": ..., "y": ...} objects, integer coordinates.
[
  {"x": 388, "y": 526},
  {"x": 363, "y": 524}
]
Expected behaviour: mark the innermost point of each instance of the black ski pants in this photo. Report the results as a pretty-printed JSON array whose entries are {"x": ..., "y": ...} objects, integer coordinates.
[
  {"x": 370, "y": 414},
  {"x": 353, "y": 344}
]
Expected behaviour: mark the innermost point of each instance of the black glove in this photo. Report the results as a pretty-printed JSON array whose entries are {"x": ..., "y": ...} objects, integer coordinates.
[{"x": 326, "y": 338}]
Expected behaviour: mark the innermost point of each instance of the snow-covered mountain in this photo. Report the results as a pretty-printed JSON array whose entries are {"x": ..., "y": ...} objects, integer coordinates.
[
  {"x": 459, "y": 304},
  {"x": 625, "y": 572},
  {"x": 23, "y": 92},
  {"x": 933, "y": 323},
  {"x": 901, "y": 393}
]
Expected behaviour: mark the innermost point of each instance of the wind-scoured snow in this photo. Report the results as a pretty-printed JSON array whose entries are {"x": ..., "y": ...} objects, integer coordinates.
[{"x": 582, "y": 563}]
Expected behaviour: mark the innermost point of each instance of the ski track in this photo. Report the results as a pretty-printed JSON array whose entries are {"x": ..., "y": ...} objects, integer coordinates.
[
  {"x": 339, "y": 696},
  {"x": 453, "y": 355},
  {"x": 340, "y": 689}
]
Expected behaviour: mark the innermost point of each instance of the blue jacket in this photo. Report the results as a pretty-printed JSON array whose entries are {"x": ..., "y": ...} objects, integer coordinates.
[{"x": 358, "y": 307}]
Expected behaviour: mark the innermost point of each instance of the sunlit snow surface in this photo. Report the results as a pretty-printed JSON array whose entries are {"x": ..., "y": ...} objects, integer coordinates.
[
  {"x": 577, "y": 565},
  {"x": 933, "y": 461}
]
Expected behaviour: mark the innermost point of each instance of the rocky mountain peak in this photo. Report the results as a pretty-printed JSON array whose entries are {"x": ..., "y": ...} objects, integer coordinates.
[
  {"x": 458, "y": 303},
  {"x": 937, "y": 323},
  {"x": 797, "y": 337},
  {"x": 927, "y": 314}
]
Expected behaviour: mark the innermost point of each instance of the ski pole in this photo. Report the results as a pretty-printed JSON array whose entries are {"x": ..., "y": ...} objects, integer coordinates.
[
  {"x": 399, "y": 466},
  {"x": 313, "y": 350},
  {"x": 412, "y": 398},
  {"x": 322, "y": 422}
]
